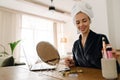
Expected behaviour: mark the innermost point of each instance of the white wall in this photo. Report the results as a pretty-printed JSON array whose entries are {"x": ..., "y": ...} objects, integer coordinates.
[
  {"x": 114, "y": 22},
  {"x": 99, "y": 23},
  {"x": 70, "y": 32}
]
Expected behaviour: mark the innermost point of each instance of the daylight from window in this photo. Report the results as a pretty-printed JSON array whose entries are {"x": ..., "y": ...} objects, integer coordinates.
[{"x": 34, "y": 30}]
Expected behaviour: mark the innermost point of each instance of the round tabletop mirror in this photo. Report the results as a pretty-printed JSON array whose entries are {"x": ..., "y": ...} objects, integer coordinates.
[{"x": 48, "y": 53}]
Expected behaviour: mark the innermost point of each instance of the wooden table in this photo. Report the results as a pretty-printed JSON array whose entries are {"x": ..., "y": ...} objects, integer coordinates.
[
  {"x": 87, "y": 74},
  {"x": 21, "y": 73}
]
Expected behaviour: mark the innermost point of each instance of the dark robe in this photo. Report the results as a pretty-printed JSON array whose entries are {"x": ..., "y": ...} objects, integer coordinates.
[{"x": 90, "y": 55}]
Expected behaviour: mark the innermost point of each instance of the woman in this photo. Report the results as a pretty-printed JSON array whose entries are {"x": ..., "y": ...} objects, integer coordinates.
[{"x": 87, "y": 50}]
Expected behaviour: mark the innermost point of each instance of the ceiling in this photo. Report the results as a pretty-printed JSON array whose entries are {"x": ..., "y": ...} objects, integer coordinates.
[
  {"x": 63, "y": 6},
  {"x": 41, "y": 7}
]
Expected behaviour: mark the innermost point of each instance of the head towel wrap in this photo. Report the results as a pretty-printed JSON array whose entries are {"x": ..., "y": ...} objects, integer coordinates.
[{"x": 84, "y": 7}]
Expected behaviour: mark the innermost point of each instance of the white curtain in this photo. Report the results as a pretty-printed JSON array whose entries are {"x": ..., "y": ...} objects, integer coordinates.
[{"x": 10, "y": 29}]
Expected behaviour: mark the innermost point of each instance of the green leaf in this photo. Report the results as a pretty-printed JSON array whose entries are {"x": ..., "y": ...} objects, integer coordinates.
[{"x": 13, "y": 45}]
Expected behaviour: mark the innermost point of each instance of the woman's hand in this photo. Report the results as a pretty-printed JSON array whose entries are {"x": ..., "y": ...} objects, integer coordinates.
[
  {"x": 115, "y": 54},
  {"x": 69, "y": 62}
]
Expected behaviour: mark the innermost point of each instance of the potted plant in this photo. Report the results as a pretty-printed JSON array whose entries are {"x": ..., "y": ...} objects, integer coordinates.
[
  {"x": 10, "y": 60},
  {"x": 3, "y": 54}
]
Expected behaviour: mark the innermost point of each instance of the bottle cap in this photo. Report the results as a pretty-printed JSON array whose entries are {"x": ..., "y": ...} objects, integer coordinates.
[{"x": 108, "y": 48}]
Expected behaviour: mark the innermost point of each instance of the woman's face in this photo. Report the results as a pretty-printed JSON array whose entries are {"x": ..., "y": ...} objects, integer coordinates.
[{"x": 82, "y": 22}]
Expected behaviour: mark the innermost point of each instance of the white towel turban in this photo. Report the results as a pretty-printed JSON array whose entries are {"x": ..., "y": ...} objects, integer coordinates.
[{"x": 82, "y": 6}]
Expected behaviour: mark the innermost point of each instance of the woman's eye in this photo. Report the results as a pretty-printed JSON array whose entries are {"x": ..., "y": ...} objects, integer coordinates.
[
  {"x": 84, "y": 20},
  {"x": 77, "y": 22}
]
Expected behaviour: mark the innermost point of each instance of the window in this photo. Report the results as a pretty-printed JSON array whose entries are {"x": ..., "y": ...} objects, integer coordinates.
[{"x": 34, "y": 30}]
